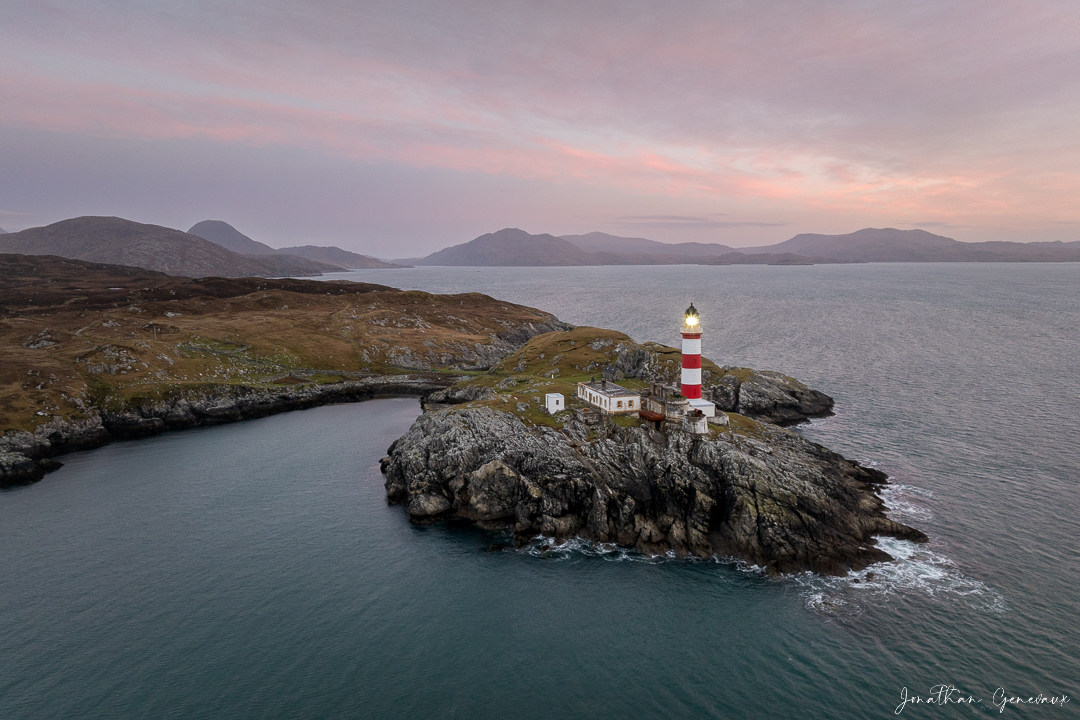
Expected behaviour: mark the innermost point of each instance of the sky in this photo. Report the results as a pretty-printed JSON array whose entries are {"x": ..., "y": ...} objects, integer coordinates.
[{"x": 398, "y": 128}]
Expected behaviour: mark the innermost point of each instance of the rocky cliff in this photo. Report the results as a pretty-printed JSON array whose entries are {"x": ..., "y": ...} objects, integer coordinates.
[
  {"x": 755, "y": 491},
  {"x": 749, "y": 489}
]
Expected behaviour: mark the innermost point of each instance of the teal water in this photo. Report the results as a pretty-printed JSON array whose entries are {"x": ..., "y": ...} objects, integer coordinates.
[{"x": 255, "y": 571}]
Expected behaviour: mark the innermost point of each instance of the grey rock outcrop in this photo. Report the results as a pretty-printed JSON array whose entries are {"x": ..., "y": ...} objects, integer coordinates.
[
  {"x": 769, "y": 396},
  {"x": 18, "y": 469},
  {"x": 769, "y": 497},
  {"x": 461, "y": 394}
]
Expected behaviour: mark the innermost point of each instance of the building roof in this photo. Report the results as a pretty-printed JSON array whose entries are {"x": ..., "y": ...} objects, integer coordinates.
[{"x": 609, "y": 389}]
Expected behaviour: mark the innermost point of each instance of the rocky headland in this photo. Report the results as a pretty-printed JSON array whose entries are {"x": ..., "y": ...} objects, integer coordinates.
[{"x": 752, "y": 489}]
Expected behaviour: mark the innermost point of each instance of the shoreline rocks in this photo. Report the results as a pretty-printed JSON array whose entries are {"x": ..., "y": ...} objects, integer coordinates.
[{"x": 760, "y": 493}]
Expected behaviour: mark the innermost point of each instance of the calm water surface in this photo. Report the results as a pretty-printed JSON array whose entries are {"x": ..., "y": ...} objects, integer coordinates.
[{"x": 255, "y": 571}]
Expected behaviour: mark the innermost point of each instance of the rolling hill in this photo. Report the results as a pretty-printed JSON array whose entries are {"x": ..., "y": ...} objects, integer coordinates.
[
  {"x": 512, "y": 247},
  {"x": 893, "y": 245},
  {"x": 602, "y": 242},
  {"x": 118, "y": 241},
  {"x": 225, "y": 235},
  {"x": 336, "y": 256},
  {"x": 739, "y": 258}
]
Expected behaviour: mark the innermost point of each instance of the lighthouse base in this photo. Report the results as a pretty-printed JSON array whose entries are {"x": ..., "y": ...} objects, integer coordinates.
[{"x": 706, "y": 407}]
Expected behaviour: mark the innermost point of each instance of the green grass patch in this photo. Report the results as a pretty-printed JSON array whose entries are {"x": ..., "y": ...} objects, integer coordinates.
[
  {"x": 325, "y": 378},
  {"x": 742, "y": 425}
]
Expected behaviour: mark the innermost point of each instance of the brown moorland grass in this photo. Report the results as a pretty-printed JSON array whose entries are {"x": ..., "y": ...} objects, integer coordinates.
[{"x": 77, "y": 335}]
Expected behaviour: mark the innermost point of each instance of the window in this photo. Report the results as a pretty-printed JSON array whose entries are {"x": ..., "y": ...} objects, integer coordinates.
[
  {"x": 631, "y": 405},
  {"x": 619, "y": 405}
]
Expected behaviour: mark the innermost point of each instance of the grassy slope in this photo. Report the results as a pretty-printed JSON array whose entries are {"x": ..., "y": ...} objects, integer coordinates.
[
  {"x": 121, "y": 336},
  {"x": 557, "y": 361}
]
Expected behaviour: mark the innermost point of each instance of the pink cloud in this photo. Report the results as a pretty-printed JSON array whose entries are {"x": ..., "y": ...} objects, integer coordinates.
[{"x": 951, "y": 111}]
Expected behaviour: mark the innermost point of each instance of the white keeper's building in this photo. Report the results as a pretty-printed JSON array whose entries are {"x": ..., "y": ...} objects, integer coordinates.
[{"x": 608, "y": 397}]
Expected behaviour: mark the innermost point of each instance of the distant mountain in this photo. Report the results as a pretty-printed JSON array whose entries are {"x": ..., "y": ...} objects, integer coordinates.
[
  {"x": 123, "y": 242},
  {"x": 602, "y": 242},
  {"x": 892, "y": 245},
  {"x": 337, "y": 256},
  {"x": 3, "y": 231},
  {"x": 738, "y": 258},
  {"x": 223, "y": 234},
  {"x": 512, "y": 247}
]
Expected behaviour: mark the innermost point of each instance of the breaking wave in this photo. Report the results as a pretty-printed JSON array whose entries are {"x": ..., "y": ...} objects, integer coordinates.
[
  {"x": 903, "y": 503},
  {"x": 915, "y": 570}
]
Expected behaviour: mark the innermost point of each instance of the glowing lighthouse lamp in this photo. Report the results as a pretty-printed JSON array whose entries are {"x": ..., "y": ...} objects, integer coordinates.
[{"x": 691, "y": 362}]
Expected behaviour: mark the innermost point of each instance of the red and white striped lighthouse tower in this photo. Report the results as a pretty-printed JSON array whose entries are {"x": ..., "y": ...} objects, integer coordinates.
[{"x": 691, "y": 354}]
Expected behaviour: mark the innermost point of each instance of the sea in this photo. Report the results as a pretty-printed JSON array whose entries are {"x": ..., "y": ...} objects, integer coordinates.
[{"x": 254, "y": 570}]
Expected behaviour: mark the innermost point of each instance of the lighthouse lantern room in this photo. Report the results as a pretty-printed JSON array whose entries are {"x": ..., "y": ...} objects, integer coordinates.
[{"x": 691, "y": 362}]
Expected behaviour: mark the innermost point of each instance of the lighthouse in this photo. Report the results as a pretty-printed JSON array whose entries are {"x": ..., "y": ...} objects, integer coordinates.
[
  {"x": 691, "y": 362},
  {"x": 691, "y": 354}
]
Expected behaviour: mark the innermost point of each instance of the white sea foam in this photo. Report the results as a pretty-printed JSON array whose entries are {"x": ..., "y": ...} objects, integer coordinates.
[
  {"x": 544, "y": 547},
  {"x": 903, "y": 503},
  {"x": 915, "y": 570}
]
